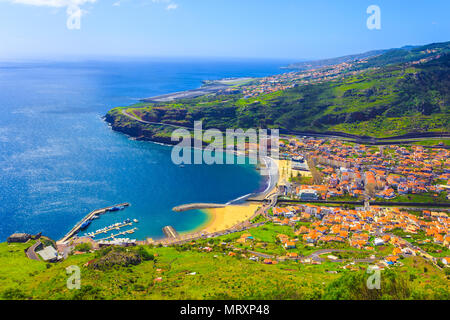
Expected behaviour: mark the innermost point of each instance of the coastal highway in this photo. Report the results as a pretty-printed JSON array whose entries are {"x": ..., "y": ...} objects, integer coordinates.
[
  {"x": 150, "y": 122},
  {"x": 336, "y": 135},
  {"x": 400, "y": 139},
  {"x": 314, "y": 256}
]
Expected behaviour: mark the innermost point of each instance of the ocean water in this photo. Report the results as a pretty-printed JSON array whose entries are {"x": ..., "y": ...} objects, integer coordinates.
[{"x": 59, "y": 160}]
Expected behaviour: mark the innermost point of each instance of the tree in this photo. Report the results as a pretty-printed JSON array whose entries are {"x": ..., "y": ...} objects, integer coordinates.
[
  {"x": 353, "y": 286},
  {"x": 316, "y": 174},
  {"x": 83, "y": 247},
  {"x": 370, "y": 189}
]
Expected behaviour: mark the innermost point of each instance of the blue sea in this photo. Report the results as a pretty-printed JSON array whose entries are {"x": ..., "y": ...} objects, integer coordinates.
[{"x": 59, "y": 160}]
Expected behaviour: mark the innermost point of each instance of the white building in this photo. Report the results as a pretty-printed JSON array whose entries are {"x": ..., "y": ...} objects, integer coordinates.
[
  {"x": 49, "y": 254},
  {"x": 378, "y": 242}
]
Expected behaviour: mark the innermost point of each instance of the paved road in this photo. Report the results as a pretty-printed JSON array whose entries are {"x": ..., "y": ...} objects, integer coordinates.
[
  {"x": 31, "y": 254},
  {"x": 313, "y": 256},
  {"x": 414, "y": 248},
  {"x": 261, "y": 255},
  {"x": 237, "y": 228},
  {"x": 401, "y": 139},
  {"x": 316, "y": 256},
  {"x": 334, "y": 135},
  {"x": 151, "y": 122}
]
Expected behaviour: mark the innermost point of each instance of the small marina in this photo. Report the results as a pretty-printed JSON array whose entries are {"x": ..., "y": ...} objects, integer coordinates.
[
  {"x": 86, "y": 221},
  {"x": 122, "y": 233},
  {"x": 115, "y": 226}
]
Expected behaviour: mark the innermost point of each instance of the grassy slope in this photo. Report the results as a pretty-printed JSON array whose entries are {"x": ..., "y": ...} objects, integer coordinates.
[
  {"x": 220, "y": 277},
  {"x": 217, "y": 276}
]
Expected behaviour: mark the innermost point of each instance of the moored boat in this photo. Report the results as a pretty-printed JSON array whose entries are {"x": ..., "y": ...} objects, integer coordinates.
[
  {"x": 85, "y": 224},
  {"x": 116, "y": 208}
]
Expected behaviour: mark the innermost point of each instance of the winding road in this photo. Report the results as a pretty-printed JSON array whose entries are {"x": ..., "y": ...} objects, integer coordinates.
[
  {"x": 151, "y": 122},
  {"x": 314, "y": 256},
  {"x": 31, "y": 253}
]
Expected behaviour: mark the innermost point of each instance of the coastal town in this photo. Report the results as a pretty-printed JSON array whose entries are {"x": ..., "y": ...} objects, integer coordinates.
[
  {"x": 350, "y": 171},
  {"x": 225, "y": 159},
  {"x": 335, "y": 203},
  {"x": 336, "y": 182},
  {"x": 325, "y": 207},
  {"x": 291, "y": 79},
  {"x": 333, "y": 206},
  {"x": 296, "y": 78}
]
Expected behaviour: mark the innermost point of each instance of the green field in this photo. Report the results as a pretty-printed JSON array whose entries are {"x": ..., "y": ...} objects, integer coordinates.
[
  {"x": 217, "y": 276},
  {"x": 421, "y": 197}
]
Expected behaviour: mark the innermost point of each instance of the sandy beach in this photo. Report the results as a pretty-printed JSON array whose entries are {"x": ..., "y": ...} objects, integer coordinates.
[
  {"x": 227, "y": 217},
  {"x": 231, "y": 215},
  {"x": 223, "y": 218}
]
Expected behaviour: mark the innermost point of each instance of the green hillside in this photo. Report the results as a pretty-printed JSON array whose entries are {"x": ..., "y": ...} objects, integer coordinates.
[
  {"x": 398, "y": 98},
  {"x": 408, "y": 54},
  {"x": 312, "y": 64},
  {"x": 187, "y": 272},
  {"x": 378, "y": 58}
]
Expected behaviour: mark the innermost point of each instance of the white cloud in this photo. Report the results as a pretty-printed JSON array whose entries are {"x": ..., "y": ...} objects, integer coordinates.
[
  {"x": 53, "y": 3},
  {"x": 74, "y": 11},
  {"x": 172, "y": 6}
]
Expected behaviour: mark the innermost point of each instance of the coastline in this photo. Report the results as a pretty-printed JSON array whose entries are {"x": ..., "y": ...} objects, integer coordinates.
[
  {"x": 227, "y": 217},
  {"x": 222, "y": 219},
  {"x": 236, "y": 210},
  {"x": 207, "y": 87},
  {"x": 136, "y": 133}
]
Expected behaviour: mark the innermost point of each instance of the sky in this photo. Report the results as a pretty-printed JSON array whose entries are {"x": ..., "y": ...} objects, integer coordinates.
[{"x": 275, "y": 29}]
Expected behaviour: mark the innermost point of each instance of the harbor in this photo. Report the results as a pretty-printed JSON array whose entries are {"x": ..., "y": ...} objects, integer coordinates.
[
  {"x": 122, "y": 233},
  {"x": 117, "y": 233},
  {"x": 85, "y": 222},
  {"x": 115, "y": 226}
]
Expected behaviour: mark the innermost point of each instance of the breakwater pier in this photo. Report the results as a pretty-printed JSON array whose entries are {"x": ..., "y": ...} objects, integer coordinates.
[
  {"x": 170, "y": 232},
  {"x": 89, "y": 217},
  {"x": 192, "y": 206}
]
